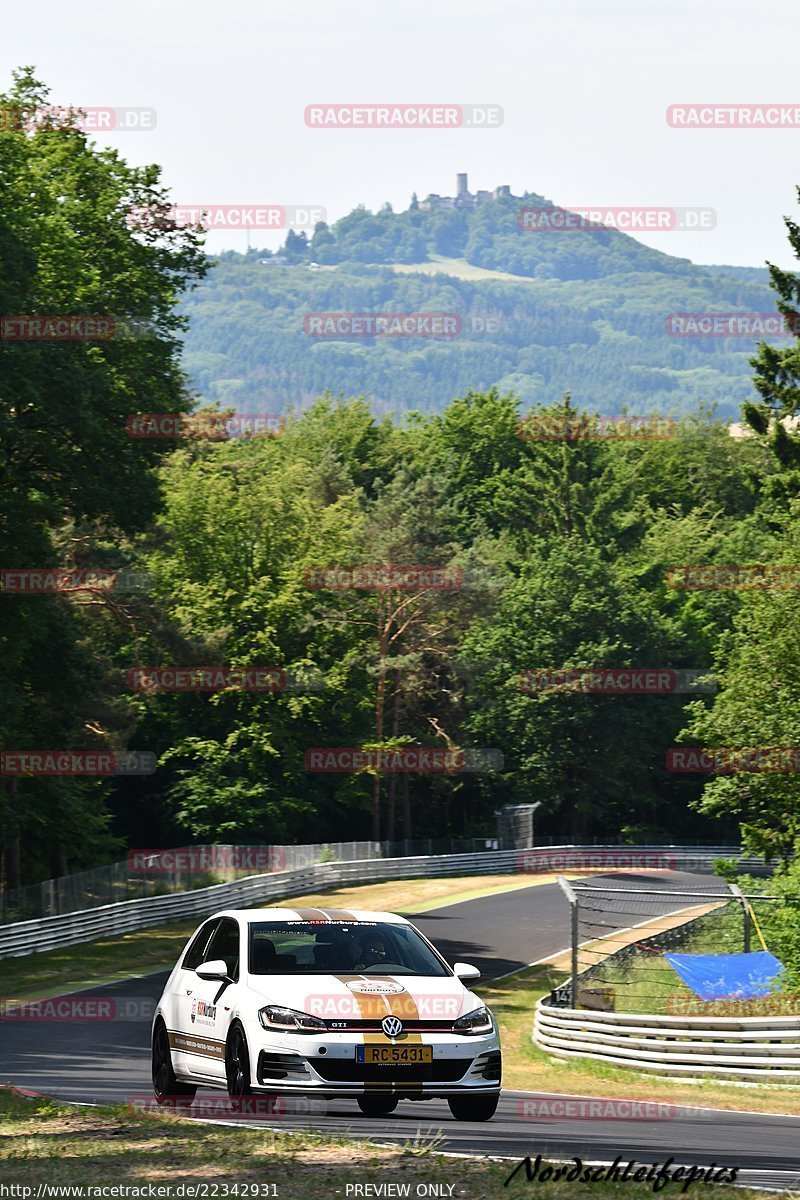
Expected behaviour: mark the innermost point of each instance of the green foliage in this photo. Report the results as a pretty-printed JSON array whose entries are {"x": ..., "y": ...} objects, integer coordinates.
[
  {"x": 73, "y": 480},
  {"x": 569, "y": 610},
  {"x": 727, "y": 869},
  {"x": 779, "y": 921},
  {"x": 757, "y": 706}
]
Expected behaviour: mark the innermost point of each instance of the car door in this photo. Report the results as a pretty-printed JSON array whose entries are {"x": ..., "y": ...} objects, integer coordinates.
[
  {"x": 204, "y": 1005},
  {"x": 183, "y": 983}
]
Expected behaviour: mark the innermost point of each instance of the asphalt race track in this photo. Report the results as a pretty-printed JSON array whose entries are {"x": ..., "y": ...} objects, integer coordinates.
[{"x": 105, "y": 1061}]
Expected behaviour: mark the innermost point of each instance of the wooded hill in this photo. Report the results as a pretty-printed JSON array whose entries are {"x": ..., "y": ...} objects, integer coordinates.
[{"x": 540, "y": 311}]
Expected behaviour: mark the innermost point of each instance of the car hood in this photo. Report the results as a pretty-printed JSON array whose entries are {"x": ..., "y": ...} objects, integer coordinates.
[{"x": 365, "y": 997}]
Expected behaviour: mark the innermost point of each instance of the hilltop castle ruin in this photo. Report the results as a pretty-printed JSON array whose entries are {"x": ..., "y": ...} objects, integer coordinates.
[{"x": 463, "y": 197}]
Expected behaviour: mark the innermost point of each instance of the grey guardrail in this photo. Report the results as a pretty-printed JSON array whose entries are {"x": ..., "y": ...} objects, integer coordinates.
[
  {"x": 47, "y": 933},
  {"x": 757, "y": 1048}
]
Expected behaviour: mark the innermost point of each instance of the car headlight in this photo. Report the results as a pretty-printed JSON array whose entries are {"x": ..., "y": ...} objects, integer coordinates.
[
  {"x": 477, "y": 1021},
  {"x": 289, "y": 1020}
]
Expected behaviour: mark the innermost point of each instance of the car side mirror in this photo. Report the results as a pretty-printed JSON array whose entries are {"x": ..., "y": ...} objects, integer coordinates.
[
  {"x": 465, "y": 971},
  {"x": 216, "y": 969}
]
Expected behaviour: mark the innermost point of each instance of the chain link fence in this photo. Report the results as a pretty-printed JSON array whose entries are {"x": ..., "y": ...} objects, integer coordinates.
[{"x": 620, "y": 933}]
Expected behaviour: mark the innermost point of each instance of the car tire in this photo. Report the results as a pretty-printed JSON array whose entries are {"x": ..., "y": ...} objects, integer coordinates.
[
  {"x": 376, "y": 1106},
  {"x": 473, "y": 1108},
  {"x": 165, "y": 1085},
  {"x": 237, "y": 1065}
]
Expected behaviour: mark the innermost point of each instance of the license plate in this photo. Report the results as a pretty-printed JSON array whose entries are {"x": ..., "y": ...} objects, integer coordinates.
[{"x": 394, "y": 1056}]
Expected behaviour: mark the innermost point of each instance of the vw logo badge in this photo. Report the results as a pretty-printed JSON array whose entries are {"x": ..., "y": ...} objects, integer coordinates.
[{"x": 392, "y": 1026}]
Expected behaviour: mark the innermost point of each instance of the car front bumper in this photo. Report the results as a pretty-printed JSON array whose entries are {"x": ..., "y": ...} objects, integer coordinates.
[{"x": 326, "y": 1065}]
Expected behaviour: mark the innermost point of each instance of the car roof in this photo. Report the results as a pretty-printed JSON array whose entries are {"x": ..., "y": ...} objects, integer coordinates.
[{"x": 323, "y": 915}]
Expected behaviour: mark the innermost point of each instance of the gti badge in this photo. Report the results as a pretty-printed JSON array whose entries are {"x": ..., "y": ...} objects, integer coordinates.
[{"x": 392, "y": 1026}]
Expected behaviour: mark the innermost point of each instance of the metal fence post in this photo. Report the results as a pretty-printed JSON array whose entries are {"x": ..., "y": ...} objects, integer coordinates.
[
  {"x": 737, "y": 892},
  {"x": 572, "y": 896}
]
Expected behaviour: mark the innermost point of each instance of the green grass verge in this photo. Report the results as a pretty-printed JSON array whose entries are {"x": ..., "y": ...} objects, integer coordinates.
[{"x": 93, "y": 963}]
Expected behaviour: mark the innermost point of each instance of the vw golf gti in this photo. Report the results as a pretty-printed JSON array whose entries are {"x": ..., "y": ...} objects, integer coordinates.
[{"x": 329, "y": 1003}]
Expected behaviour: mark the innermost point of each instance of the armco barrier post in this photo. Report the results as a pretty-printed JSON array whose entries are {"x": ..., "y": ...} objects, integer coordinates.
[{"x": 571, "y": 895}]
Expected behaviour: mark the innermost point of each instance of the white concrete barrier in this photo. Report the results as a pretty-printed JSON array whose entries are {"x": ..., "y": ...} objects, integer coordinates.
[{"x": 756, "y": 1048}]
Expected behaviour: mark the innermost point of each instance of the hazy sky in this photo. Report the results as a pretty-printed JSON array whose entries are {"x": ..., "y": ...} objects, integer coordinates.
[{"x": 584, "y": 87}]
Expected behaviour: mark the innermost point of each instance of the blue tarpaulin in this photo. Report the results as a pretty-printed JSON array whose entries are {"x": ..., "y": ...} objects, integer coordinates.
[{"x": 719, "y": 976}]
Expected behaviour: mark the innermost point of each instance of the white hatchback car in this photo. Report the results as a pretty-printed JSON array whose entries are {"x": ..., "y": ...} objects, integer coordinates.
[{"x": 327, "y": 1003}]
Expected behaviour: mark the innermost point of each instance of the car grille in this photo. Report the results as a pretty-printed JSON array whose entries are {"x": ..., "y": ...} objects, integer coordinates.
[
  {"x": 345, "y": 1070},
  {"x": 357, "y": 1026}
]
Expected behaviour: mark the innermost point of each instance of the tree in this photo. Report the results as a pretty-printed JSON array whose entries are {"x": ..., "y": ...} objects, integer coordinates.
[
  {"x": 407, "y": 621},
  {"x": 244, "y": 522},
  {"x": 296, "y": 245},
  {"x": 758, "y": 707},
  {"x": 777, "y": 380},
  {"x": 756, "y": 658},
  {"x": 592, "y": 759},
  {"x": 70, "y": 249},
  {"x": 323, "y": 244}
]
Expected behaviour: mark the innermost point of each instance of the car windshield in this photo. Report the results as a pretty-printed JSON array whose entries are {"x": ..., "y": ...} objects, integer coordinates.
[{"x": 340, "y": 947}]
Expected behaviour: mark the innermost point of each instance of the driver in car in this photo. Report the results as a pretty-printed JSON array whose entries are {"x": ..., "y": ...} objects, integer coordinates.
[{"x": 373, "y": 953}]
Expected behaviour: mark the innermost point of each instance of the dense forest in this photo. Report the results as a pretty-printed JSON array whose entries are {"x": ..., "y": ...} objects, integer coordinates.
[{"x": 559, "y": 552}]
